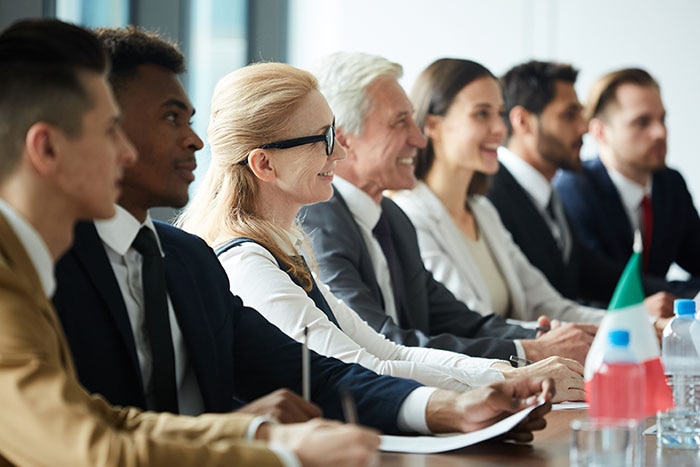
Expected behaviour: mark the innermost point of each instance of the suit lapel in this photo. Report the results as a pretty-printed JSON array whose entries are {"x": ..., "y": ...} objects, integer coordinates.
[
  {"x": 524, "y": 208},
  {"x": 616, "y": 226},
  {"x": 191, "y": 318},
  {"x": 366, "y": 267},
  {"x": 13, "y": 252},
  {"x": 451, "y": 241},
  {"x": 663, "y": 213},
  {"x": 91, "y": 254},
  {"x": 489, "y": 230}
]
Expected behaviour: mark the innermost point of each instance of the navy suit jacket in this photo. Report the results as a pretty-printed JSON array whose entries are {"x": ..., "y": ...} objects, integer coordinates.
[
  {"x": 585, "y": 277},
  {"x": 235, "y": 352},
  {"x": 597, "y": 214},
  {"x": 432, "y": 317}
]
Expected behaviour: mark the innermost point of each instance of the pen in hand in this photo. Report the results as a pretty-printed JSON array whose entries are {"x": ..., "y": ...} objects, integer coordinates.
[
  {"x": 348, "y": 404},
  {"x": 305, "y": 370}
]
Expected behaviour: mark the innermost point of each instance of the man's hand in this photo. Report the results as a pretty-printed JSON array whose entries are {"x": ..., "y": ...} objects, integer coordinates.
[
  {"x": 450, "y": 411},
  {"x": 660, "y": 305},
  {"x": 284, "y": 405},
  {"x": 567, "y": 340},
  {"x": 322, "y": 442},
  {"x": 566, "y": 373}
]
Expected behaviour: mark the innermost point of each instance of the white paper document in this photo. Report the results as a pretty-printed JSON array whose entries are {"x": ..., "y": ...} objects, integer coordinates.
[
  {"x": 432, "y": 444},
  {"x": 570, "y": 406}
]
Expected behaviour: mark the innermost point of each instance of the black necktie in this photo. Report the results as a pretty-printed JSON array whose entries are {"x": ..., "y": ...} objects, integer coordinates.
[
  {"x": 382, "y": 232},
  {"x": 647, "y": 227},
  {"x": 553, "y": 217},
  {"x": 163, "y": 387}
]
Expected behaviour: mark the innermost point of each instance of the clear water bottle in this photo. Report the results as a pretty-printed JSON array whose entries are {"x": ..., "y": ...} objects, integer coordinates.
[
  {"x": 680, "y": 426},
  {"x": 615, "y": 391}
]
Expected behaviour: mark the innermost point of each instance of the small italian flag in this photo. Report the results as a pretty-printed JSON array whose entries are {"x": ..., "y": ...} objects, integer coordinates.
[{"x": 627, "y": 311}]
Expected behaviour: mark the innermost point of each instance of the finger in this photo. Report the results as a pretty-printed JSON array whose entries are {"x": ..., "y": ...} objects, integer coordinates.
[
  {"x": 296, "y": 406},
  {"x": 519, "y": 436},
  {"x": 310, "y": 409},
  {"x": 509, "y": 396},
  {"x": 574, "y": 366},
  {"x": 531, "y": 425},
  {"x": 569, "y": 395},
  {"x": 588, "y": 328},
  {"x": 541, "y": 411},
  {"x": 548, "y": 389}
]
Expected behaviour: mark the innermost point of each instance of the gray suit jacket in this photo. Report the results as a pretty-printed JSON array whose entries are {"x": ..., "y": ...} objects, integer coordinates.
[{"x": 432, "y": 316}]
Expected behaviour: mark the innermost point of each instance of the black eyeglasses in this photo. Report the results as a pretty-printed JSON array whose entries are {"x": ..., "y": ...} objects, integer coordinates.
[{"x": 328, "y": 137}]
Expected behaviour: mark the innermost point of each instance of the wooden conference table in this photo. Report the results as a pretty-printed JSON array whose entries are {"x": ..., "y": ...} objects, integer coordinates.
[{"x": 550, "y": 448}]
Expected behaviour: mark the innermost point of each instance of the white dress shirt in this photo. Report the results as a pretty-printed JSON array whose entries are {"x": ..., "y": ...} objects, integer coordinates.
[
  {"x": 631, "y": 194},
  {"x": 34, "y": 245},
  {"x": 366, "y": 213},
  {"x": 117, "y": 235}
]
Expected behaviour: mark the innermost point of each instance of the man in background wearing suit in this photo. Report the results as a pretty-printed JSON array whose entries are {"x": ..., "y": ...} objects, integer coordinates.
[
  {"x": 386, "y": 283},
  {"x": 545, "y": 129},
  {"x": 63, "y": 155},
  {"x": 629, "y": 187},
  {"x": 218, "y": 348}
]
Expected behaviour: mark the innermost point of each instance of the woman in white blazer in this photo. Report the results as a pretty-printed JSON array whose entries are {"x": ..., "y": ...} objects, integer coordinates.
[{"x": 463, "y": 242}]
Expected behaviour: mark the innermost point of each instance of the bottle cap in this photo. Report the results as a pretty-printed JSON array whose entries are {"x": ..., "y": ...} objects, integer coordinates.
[
  {"x": 684, "y": 306},
  {"x": 620, "y": 337}
]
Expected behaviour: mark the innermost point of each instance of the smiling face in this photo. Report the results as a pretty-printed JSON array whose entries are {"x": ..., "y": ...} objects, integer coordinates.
[
  {"x": 468, "y": 135},
  {"x": 91, "y": 164},
  {"x": 561, "y": 127},
  {"x": 157, "y": 114},
  {"x": 303, "y": 174},
  {"x": 382, "y": 156}
]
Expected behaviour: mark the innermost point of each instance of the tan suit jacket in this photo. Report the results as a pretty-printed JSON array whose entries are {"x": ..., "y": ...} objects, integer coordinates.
[{"x": 47, "y": 417}]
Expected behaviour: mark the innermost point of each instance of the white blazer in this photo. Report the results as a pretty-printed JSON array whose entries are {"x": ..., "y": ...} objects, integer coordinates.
[{"x": 446, "y": 254}]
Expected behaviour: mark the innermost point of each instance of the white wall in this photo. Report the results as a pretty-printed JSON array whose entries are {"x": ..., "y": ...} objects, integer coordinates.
[{"x": 596, "y": 36}]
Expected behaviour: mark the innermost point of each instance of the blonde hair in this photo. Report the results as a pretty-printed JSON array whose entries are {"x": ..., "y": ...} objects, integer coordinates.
[{"x": 249, "y": 108}]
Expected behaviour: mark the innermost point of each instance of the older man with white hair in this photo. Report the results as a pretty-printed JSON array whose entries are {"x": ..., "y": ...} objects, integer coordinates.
[{"x": 366, "y": 246}]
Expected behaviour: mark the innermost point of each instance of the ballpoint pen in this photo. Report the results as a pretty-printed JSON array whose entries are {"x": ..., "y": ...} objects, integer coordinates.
[
  {"x": 519, "y": 361},
  {"x": 305, "y": 370},
  {"x": 348, "y": 404}
]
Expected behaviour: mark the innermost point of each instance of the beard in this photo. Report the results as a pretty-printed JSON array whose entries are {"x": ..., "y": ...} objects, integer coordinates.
[{"x": 557, "y": 153}]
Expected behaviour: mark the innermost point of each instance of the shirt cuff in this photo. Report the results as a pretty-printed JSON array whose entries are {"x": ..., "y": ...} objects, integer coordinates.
[
  {"x": 288, "y": 458},
  {"x": 412, "y": 412},
  {"x": 520, "y": 352},
  {"x": 255, "y": 424}
]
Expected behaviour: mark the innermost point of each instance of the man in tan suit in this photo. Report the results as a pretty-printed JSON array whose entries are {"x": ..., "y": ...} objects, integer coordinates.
[{"x": 63, "y": 153}]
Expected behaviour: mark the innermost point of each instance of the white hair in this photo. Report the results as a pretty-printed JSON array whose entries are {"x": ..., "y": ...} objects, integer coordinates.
[{"x": 343, "y": 79}]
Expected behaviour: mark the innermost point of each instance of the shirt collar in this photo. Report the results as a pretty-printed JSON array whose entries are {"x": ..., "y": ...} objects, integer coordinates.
[
  {"x": 362, "y": 207},
  {"x": 533, "y": 182},
  {"x": 293, "y": 236},
  {"x": 630, "y": 192},
  {"x": 34, "y": 245},
  {"x": 119, "y": 232}
]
